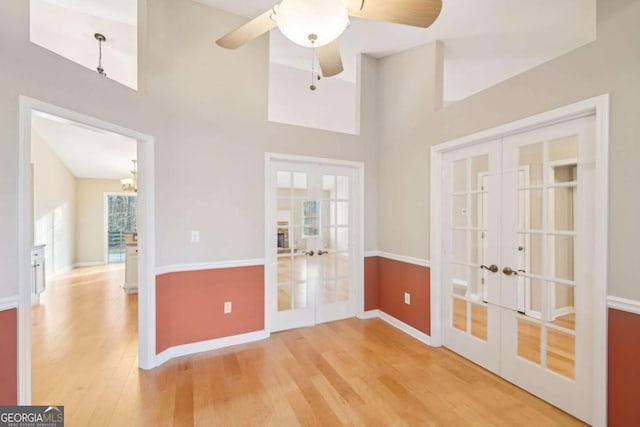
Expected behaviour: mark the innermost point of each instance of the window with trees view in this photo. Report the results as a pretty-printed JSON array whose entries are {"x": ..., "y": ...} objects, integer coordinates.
[{"x": 122, "y": 219}]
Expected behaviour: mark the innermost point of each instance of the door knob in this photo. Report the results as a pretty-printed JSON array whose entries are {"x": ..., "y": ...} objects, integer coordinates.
[
  {"x": 509, "y": 271},
  {"x": 321, "y": 252},
  {"x": 309, "y": 253},
  {"x": 492, "y": 268}
]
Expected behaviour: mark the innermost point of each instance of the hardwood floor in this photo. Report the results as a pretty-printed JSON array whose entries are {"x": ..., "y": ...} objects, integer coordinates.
[{"x": 351, "y": 372}]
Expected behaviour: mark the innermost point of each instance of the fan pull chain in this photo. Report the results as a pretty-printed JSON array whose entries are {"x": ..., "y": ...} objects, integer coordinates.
[
  {"x": 313, "y": 71},
  {"x": 313, "y": 38}
]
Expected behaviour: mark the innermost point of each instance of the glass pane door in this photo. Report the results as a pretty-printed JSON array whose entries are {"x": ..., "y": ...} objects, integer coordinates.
[
  {"x": 472, "y": 205},
  {"x": 121, "y": 219},
  {"x": 335, "y": 258},
  {"x": 518, "y": 259},
  {"x": 312, "y": 244},
  {"x": 548, "y": 182},
  {"x": 296, "y": 228}
]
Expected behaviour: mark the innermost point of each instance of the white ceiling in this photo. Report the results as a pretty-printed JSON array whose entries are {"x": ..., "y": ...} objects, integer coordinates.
[
  {"x": 485, "y": 41},
  {"x": 86, "y": 151},
  {"x": 66, "y": 27},
  {"x": 124, "y": 11}
]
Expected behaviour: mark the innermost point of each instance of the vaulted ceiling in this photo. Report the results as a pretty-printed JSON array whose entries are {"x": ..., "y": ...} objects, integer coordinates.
[{"x": 485, "y": 41}]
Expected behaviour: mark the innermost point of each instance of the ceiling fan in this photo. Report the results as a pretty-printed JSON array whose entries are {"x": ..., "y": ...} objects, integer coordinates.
[{"x": 317, "y": 24}]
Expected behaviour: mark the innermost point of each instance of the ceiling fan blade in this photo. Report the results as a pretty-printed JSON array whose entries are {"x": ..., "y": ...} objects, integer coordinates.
[
  {"x": 249, "y": 31},
  {"x": 330, "y": 60},
  {"x": 418, "y": 13}
]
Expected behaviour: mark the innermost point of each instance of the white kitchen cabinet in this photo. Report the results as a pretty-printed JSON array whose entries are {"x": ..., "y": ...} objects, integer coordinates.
[{"x": 131, "y": 268}]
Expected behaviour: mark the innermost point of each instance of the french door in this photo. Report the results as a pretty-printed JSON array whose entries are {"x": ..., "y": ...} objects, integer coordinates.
[
  {"x": 312, "y": 262},
  {"x": 518, "y": 260},
  {"x": 121, "y": 219}
]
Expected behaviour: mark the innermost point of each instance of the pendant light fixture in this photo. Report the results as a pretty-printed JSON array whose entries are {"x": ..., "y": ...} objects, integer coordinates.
[
  {"x": 101, "y": 39},
  {"x": 312, "y": 23},
  {"x": 131, "y": 184}
]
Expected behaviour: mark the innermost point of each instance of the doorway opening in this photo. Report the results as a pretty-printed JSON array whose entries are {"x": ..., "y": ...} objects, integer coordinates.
[{"x": 69, "y": 217}]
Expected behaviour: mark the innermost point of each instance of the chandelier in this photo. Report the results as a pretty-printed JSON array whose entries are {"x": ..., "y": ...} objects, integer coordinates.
[{"x": 131, "y": 184}]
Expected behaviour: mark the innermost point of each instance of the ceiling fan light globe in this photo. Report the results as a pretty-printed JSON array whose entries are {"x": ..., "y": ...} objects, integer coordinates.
[{"x": 298, "y": 19}]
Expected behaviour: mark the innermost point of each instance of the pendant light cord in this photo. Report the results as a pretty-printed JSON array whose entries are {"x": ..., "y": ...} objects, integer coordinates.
[
  {"x": 313, "y": 69},
  {"x": 100, "y": 39},
  {"x": 100, "y": 53}
]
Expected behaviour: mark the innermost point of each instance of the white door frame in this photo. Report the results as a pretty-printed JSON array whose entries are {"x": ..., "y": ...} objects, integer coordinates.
[
  {"x": 600, "y": 107},
  {"x": 146, "y": 263},
  {"x": 269, "y": 295}
]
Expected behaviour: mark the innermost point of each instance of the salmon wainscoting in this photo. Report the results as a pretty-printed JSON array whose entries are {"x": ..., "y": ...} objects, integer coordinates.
[
  {"x": 371, "y": 283},
  {"x": 190, "y": 305},
  {"x": 624, "y": 365},
  {"x": 388, "y": 277},
  {"x": 9, "y": 357}
]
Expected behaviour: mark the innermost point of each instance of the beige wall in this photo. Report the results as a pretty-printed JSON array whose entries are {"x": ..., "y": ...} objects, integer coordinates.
[
  {"x": 54, "y": 203},
  {"x": 206, "y": 107},
  {"x": 331, "y": 107},
  {"x": 90, "y": 223},
  {"x": 611, "y": 65},
  {"x": 408, "y": 91}
]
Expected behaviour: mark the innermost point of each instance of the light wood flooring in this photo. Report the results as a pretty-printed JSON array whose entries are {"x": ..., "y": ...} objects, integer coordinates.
[{"x": 351, "y": 372}]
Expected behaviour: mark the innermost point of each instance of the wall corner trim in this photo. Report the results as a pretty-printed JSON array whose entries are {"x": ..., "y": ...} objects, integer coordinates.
[
  {"x": 209, "y": 345},
  {"x": 370, "y": 314},
  {"x": 623, "y": 304},
  {"x": 369, "y": 254},
  {"x": 409, "y": 330},
  {"x": 213, "y": 265},
  {"x": 8, "y": 303},
  {"x": 407, "y": 259}
]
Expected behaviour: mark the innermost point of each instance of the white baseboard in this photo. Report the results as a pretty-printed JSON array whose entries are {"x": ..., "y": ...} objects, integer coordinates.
[
  {"x": 407, "y": 329},
  {"x": 88, "y": 264},
  {"x": 371, "y": 314},
  {"x": 624, "y": 304},
  {"x": 215, "y": 344}
]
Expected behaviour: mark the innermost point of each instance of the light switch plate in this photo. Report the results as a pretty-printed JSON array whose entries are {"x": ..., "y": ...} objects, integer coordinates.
[
  {"x": 195, "y": 236},
  {"x": 407, "y": 298},
  {"x": 227, "y": 307}
]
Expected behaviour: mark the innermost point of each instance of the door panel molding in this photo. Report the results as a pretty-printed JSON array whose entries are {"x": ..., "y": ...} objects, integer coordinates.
[
  {"x": 356, "y": 302},
  {"x": 597, "y": 106}
]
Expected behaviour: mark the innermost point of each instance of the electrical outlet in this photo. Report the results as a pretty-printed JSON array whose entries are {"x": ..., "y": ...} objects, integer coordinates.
[
  {"x": 195, "y": 236},
  {"x": 407, "y": 298},
  {"x": 227, "y": 307}
]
